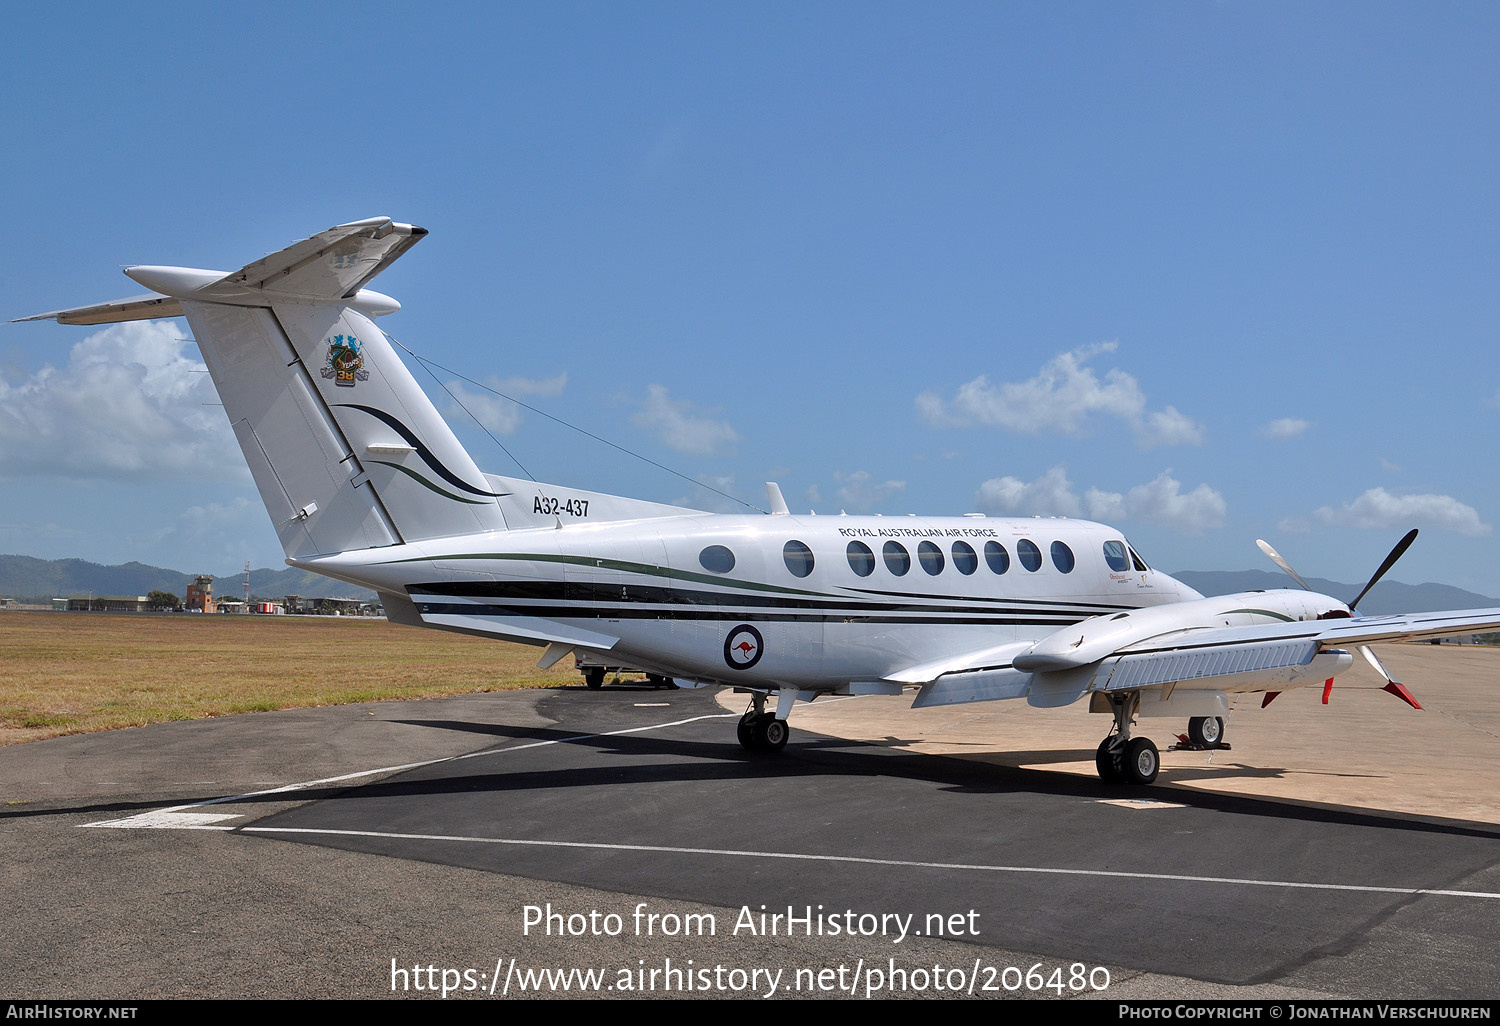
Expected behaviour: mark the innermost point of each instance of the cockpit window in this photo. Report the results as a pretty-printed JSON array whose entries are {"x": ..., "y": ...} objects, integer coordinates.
[
  {"x": 798, "y": 558},
  {"x": 996, "y": 556},
  {"x": 1062, "y": 557},
  {"x": 931, "y": 558},
  {"x": 897, "y": 559},
  {"x": 1114, "y": 555},
  {"x": 1029, "y": 555},
  {"x": 964, "y": 559},
  {"x": 861, "y": 559},
  {"x": 716, "y": 559},
  {"x": 1140, "y": 564}
]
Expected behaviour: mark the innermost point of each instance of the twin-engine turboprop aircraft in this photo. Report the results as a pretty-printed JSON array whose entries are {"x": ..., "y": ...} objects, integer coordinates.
[{"x": 365, "y": 483}]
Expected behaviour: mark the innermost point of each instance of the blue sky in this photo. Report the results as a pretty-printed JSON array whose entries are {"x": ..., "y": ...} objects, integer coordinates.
[{"x": 1208, "y": 272}]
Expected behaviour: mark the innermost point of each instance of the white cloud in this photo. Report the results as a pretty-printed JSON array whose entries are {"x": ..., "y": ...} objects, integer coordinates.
[
  {"x": 858, "y": 490},
  {"x": 678, "y": 424},
  {"x": 1378, "y": 508},
  {"x": 1048, "y": 495},
  {"x": 1169, "y": 427},
  {"x": 1285, "y": 427},
  {"x": 1063, "y": 397},
  {"x": 1161, "y": 502},
  {"x": 498, "y": 414},
  {"x": 129, "y": 404},
  {"x": 1158, "y": 502}
]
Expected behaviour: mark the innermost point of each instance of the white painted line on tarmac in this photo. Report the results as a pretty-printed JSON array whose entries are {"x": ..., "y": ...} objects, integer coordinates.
[
  {"x": 165, "y": 819},
  {"x": 894, "y": 863},
  {"x": 136, "y": 820}
]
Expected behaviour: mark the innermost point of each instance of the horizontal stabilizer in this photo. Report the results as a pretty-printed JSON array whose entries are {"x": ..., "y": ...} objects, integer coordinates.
[
  {"x": 136, "y": 308},
  {"x": 334, "y": 264}
]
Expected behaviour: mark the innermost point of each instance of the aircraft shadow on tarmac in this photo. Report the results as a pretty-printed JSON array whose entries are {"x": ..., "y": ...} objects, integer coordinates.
[
  {"x": 809, "y": 755},
  {"x": 658, "y": 759}
]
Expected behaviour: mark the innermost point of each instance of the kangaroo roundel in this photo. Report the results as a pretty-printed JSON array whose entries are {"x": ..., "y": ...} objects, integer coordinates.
[{"x": 743, "y": 647}]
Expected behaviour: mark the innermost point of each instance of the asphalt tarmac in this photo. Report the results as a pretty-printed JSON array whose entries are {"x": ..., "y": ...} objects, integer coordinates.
[{"x": 1346, "y": 851}]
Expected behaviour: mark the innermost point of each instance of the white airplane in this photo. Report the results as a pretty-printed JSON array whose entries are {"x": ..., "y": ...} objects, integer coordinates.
[{"x": 366, "y": 483}]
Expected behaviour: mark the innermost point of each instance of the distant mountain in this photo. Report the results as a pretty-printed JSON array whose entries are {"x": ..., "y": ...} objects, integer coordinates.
[
  {"x": 24, "y": 577},
  {"x": 1386, "y": 597}
]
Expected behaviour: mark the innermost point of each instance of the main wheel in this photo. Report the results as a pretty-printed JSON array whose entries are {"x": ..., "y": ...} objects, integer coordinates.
[
  {"x": 1207, "y": 731},
  {"x": 594, "y": 677},
  {"x": 656, "y": 680},
  {"x": 772, "y": 733},
  {"x": 1142, "y": 761},
  {"x": 1108, "y": 764},
  {"x": 747, "y": 733}
]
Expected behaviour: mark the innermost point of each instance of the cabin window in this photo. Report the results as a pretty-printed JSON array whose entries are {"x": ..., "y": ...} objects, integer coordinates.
[
  {"x": 716, "y": 559},
  {"x": 996, "y": 556},
  {"x": 931, "y": 558},
  {"x": 1029, "y": 555},
  {"x": 1062, "y": 557},
  {"x": 964, "y": 558},
  {"x": 1114, "y": 555},
  {"x": 861, "y": 559},
  {"x": 897, "y": 559},
  {"x": 798, "y": 558}
]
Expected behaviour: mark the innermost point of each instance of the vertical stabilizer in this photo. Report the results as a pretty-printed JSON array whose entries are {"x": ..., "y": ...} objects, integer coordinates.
[{"x": 345, "y": 447}]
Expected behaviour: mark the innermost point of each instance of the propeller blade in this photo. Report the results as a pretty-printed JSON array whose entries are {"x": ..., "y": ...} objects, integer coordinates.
[
  {"x": 1390, "y": 561},
  {"x": 1276, "y": 558},
  {"x": 1371, "y": 658},
  {"x": 1392, "y": 685}
]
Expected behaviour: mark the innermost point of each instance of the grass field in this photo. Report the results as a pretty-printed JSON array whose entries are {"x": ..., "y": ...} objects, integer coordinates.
[{"x": 66, "y": 673}]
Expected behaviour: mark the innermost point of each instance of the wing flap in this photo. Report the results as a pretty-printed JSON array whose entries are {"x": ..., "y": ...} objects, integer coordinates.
[{"x": 1144, "y": 670}]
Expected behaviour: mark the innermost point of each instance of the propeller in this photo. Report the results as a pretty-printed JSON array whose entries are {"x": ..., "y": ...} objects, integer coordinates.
[{"x": 1392, "y": 685}]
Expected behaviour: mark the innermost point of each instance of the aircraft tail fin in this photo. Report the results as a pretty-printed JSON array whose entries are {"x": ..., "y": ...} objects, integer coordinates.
[{"x": 345, "y": 447}]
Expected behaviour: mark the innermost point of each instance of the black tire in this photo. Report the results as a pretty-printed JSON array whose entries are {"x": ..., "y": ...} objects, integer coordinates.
[
  {"x": 656, "y": 680},
  {"x": 772, "y": 733},
  {"x": 1110, "y": 770},
  {"x": 747, "y": 733},
  {"x": 594, "y": 677},
  {"x": 1207, "y": 731},
  {"x": 1142, "y": 761}
]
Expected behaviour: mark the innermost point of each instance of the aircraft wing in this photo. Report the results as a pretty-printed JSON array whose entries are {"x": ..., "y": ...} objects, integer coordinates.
[
  {"x": 1268, "y": 656},
  {"x": 1337, "y": 633}
]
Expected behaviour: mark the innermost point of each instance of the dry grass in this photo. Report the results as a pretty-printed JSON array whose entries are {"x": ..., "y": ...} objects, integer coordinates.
[{"x": 67, "y": 673}]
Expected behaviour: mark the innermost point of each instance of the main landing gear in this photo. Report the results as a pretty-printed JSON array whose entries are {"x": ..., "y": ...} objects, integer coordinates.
[
  {"x": 761, "y": 731},
  {"x": 1122, "y": 759}
]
